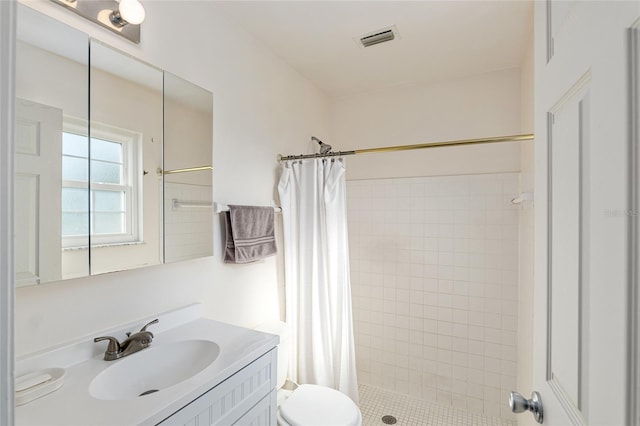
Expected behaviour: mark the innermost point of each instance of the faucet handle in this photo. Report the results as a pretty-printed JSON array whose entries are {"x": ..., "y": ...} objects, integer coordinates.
[
  {"x": 155, "y": 321},
  {"x": 114, "y": 345}
]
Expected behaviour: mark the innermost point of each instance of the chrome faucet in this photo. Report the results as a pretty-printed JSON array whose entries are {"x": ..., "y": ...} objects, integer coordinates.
[{"x": 133, "y": 343}]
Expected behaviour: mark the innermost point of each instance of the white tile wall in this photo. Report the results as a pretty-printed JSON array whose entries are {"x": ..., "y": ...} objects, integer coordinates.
[
  {"x": 188, "y": 230},
  {"x": 434, "y": 275}
]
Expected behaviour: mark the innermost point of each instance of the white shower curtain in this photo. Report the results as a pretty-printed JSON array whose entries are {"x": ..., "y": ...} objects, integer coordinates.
[{"x": 318, "y": 289}]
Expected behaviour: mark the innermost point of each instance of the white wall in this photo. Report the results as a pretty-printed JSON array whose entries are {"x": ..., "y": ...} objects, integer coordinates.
[
  {"x": 482, "y": 105},
  {"x": 187, "y": 131},
  {"x": 261, "y": 108}
]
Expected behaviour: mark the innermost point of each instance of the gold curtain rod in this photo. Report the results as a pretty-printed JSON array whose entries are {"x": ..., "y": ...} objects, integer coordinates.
[
  {"x": 190, "y": 169},
  {"x": 512, "y": 138}
]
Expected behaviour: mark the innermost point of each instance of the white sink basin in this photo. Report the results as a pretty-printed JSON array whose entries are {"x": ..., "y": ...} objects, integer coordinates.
[{"x": 153, "y": 369}]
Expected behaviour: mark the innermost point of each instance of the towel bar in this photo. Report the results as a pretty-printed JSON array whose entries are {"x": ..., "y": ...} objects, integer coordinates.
[
  {"x": 176, "y": 204},
  {"x": 219, "y": 208}
]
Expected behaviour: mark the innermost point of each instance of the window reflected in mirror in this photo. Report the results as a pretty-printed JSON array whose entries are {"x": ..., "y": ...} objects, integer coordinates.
[{"x": 126, "y": 139}]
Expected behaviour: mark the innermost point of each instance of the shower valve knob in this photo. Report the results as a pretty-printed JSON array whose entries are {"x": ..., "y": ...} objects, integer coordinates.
[{"x": 519, "y": 404}]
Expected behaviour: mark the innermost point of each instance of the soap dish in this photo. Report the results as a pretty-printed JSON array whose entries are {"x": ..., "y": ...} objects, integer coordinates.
[{"x": 38, "y": 383}]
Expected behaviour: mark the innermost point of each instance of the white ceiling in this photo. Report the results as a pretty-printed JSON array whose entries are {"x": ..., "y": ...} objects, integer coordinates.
[{"x": 439, "y": 39}]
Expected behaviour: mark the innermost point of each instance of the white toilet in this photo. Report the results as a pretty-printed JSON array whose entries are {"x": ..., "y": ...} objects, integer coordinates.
[{"x": 308, "y": 405}]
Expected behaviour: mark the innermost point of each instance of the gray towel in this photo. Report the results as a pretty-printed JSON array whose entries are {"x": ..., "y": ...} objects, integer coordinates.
[{"x": 250, "y": 234}]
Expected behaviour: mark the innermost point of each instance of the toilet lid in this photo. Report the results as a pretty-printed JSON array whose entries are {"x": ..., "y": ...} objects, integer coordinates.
[{"x": 313, "y": 405}]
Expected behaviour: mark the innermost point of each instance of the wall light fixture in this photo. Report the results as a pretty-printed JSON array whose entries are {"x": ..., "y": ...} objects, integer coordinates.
[
  {"x": 122, "y": 17},
  {"x": 129, "y": 12}
]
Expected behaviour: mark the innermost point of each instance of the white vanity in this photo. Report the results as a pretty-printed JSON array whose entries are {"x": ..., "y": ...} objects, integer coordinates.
[{"x": 196, "y": 371}]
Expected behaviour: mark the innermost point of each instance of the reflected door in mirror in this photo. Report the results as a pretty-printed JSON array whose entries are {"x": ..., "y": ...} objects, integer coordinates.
[{"x": 51, "y": 89}]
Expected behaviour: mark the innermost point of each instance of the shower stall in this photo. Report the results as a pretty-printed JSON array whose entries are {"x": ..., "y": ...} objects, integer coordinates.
[{"x": 434, "y": 273}]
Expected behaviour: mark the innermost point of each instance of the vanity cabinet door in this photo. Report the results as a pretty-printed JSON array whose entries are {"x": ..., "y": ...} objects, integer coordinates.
[
  {"x": 246, "y": 398},
  {"x": 262, "y": 413}
]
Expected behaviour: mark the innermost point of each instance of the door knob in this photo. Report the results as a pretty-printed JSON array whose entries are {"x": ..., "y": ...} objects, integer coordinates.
[{"x": 520, "y": 404}]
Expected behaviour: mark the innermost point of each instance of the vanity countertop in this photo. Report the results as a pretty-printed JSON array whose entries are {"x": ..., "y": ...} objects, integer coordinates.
[{"x": 74, "y": 405}]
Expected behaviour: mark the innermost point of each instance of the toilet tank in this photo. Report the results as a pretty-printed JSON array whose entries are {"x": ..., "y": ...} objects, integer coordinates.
[{"x": 284, "y": 348}]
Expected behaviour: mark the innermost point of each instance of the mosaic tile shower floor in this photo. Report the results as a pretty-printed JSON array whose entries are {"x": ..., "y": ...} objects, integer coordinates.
[{"x": 376, "y": 403}]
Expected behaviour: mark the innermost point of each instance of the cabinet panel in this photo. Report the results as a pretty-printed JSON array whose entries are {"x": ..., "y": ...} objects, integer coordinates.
[
  {"x": 234, "y": 398},
  {"x": 260, "y": 414}
]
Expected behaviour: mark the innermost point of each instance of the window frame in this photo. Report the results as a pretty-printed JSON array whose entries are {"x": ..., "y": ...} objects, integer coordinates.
[{"x": 131, "y": 186}]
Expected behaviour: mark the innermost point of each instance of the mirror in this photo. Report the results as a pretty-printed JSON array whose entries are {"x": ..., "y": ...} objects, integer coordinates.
[
  {"x": 126, "y": 141},
  {"x": 85, "y": 208},
  {"x": 188, "y": 127},
  {"x": 51, "y": 214}
]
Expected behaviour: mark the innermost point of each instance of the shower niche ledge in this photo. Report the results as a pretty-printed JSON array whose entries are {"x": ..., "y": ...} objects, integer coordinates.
[{"x": 235, "y": 381}]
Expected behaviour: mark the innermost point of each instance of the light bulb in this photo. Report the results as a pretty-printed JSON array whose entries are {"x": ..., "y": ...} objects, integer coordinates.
[{"x": 131, "y": 11}]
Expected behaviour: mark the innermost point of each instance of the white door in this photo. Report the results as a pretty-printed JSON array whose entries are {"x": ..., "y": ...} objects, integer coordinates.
[
  {"x": 38, "y": 184},
  {"x": 583, "y": 181}
]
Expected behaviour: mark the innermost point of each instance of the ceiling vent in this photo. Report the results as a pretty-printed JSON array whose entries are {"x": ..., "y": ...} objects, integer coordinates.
[{"x": 380, "y": 36}]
